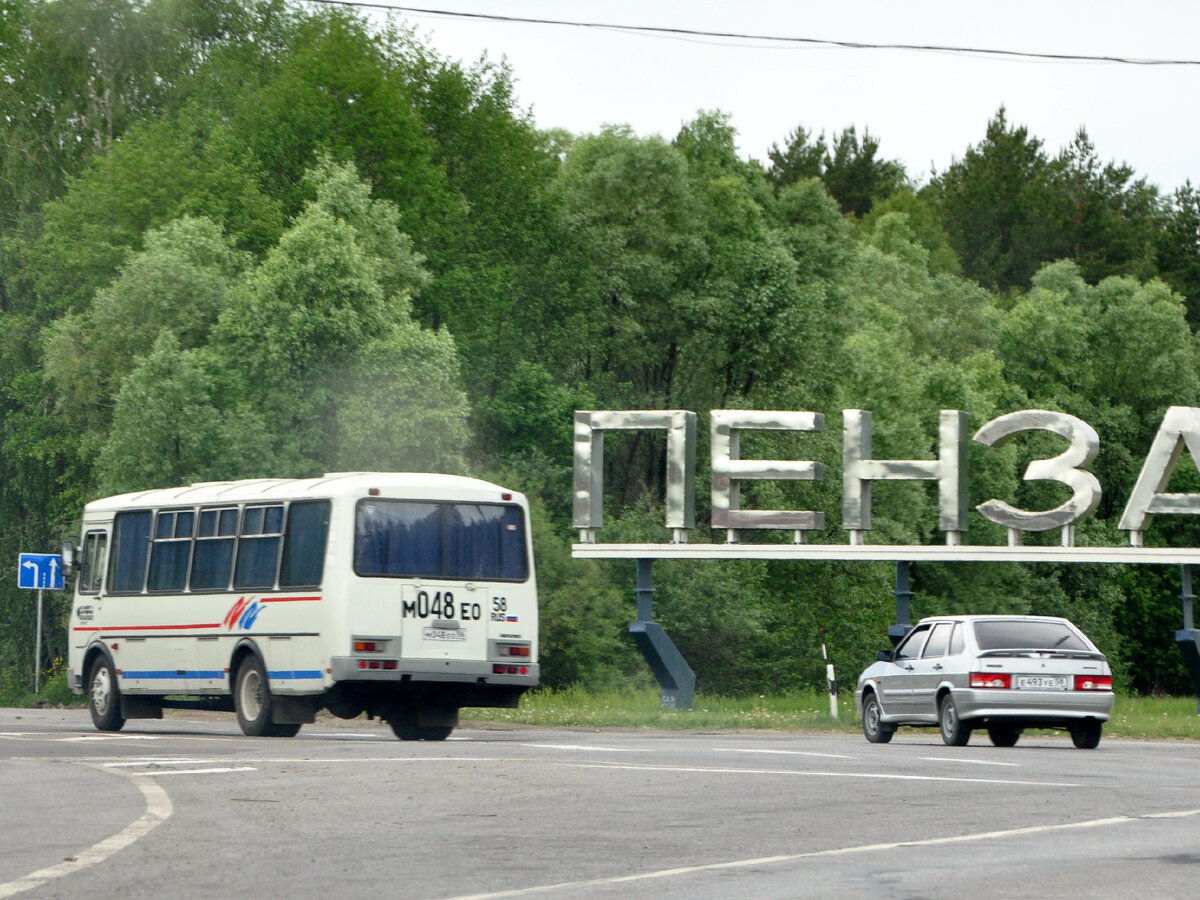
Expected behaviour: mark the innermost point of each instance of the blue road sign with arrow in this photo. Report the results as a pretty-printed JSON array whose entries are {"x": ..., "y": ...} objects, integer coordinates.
[{"x": 36, "y": 571}]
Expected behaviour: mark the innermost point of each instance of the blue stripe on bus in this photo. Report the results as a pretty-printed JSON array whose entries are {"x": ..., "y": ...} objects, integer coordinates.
[{"x": 174, "y": 675}]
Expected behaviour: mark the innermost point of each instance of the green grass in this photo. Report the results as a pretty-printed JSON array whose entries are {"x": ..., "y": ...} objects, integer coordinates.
[
  {"x": 1151, "y": 718},
  {"x": 1161, "y": 718}
]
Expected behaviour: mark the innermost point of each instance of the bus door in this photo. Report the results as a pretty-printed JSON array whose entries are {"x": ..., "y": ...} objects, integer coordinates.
[{"x": 86, "y": 615}]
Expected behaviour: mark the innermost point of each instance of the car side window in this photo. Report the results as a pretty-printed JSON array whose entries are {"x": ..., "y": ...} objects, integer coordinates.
[
  {"x": 939, "y": 640},
  {"x": 957, "y": 640},
  {"x": 910, "y": 647}
]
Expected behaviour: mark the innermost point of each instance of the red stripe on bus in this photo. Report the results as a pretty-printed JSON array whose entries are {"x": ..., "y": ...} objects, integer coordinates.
[{"x": 156, "y": 627}]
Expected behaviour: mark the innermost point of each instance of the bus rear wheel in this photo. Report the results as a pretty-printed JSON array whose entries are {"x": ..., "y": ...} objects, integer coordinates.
[
  {"x": 104, "y": 697},
  {"x": 405, "y": 726},
  {"x": 252, "y": 699}
]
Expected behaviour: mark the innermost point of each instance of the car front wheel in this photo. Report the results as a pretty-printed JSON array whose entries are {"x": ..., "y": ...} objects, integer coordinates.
[
  {"x": 955, "y": 732},
  {"x": 874, "y": 730}
]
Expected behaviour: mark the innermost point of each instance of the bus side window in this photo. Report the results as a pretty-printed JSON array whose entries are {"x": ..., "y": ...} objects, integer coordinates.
[
  {"x": 131, "y": 549},
  {"x": 212, "y": 556},
  {"x": 95, "y": 546},
  {"x": 258, "y": 547},
  {"x": 171, "y": 549},
  {"x": 303, "y": 561}
]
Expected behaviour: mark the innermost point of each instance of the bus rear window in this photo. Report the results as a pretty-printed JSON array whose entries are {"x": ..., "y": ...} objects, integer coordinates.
[{"x": 407, "y": 538}]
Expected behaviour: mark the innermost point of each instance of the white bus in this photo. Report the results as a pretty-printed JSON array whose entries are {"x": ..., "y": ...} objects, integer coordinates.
[{"x": 402, "y": 596}]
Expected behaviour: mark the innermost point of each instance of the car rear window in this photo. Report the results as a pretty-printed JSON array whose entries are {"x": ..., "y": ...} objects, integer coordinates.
[{"x": 1014, "y": 634}]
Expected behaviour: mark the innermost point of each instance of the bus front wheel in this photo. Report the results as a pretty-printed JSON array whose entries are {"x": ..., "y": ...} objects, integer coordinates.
[
  {"x": 104, "y": 697},
  {"x": 252, "y": 698}
]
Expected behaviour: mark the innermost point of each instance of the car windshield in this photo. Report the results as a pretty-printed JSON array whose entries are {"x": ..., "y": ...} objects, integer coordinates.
[{"x": 1023, "y": 634}]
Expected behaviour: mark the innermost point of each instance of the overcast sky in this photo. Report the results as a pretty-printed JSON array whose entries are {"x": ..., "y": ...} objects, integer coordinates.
[{"x": 925, "y": 107}]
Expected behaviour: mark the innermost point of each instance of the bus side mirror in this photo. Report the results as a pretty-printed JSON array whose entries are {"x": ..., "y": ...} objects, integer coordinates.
[{"x": 68, "y": 559}]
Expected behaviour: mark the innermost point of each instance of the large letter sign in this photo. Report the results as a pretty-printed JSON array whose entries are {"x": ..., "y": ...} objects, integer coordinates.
[
  {"x": 860, "y": 470},
  {"x": 949, "y": 470},
  {"x": 680, "y": 426},
  {"x": 728, "y": 469},
  {"x": 1065, "y": 468},
  {"x": 1180, "y": 427}
]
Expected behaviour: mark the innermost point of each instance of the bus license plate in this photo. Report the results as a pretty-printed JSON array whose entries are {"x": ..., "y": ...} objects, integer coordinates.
[
  {"x": 445, "y": 634},
  {"x": 1042, "y": 682}
]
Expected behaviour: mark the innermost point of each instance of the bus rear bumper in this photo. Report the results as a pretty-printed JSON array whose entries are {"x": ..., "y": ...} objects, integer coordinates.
[{"x": 345, "y": 668}]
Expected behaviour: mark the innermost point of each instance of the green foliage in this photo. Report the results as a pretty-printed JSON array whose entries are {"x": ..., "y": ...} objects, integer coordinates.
[
  {"x": 849, "y": 168},
  {"x": 242, "y": 238}
]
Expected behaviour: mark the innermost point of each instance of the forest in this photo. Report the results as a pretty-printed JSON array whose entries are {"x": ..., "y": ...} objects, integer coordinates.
[{"x": 244, "y": 238}]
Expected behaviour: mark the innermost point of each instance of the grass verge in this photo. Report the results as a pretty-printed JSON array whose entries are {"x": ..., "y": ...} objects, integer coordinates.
[
  {"x": 1161, "y": 718},
  {"x": 1147, "y": 718}
]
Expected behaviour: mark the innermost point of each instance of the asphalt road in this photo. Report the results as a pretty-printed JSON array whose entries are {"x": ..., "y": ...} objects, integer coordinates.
[{"x": 189, "y": 807}]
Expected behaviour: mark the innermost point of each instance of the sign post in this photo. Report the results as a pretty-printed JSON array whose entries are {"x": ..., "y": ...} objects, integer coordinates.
[{"x": 39, "y": 571}]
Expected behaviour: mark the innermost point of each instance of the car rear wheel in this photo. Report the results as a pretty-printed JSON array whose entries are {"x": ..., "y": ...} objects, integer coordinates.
[
  {"x": 1086, "y": 735},
  {"x": 873, "y": 729},
  {"x": 1004, "y": 736},
  {"x": 955, "y": 732}
]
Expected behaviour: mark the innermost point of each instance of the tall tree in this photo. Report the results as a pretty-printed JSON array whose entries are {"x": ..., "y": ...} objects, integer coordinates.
[
  {"x": 802, "y": 156},
  {"x": 855, "y": 176},
  {"x": 994, "y": 203},
  {"x": 1178, "y": 248},
  {"x": 1105, "y": 220}
]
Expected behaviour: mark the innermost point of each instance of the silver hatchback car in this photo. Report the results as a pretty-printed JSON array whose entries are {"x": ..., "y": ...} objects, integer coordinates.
[{"x": 1002, "y": 673}]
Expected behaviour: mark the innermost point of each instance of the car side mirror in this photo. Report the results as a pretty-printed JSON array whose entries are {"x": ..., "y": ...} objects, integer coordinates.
[{"x": 884, "y": 656}]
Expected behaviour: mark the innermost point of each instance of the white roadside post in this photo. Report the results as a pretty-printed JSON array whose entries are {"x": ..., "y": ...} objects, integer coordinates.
[{"x": 829, "y": 676}]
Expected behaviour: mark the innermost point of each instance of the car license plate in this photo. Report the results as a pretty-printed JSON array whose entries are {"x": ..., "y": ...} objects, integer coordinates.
[
  {"x": 445, "y": 634},
  {"x": 1042, "y": 682}
]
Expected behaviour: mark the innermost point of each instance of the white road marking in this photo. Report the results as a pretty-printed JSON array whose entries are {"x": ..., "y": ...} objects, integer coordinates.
[
  {"x": 971, "y": 762},
  {"x": 588, "y": 749},
  {"x": 222, "y": 770},
  {"x": 158, "y": 810},
  {"x": 151, "y": 767},
  {"x": 111, "y": 737},
  {"x": 783, "y": 752},
  {"x": 837, "y": 851},
  {"x": 715, "y": 770}
]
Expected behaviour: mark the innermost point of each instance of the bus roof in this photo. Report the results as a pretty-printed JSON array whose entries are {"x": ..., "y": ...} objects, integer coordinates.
[{"x": 403, "y": 485}]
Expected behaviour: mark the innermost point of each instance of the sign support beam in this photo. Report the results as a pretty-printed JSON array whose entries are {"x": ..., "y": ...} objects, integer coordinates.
[{"x": 676, "y": 678}]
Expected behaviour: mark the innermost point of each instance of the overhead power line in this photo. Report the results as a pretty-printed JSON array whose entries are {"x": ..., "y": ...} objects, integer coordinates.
[{"x": 767, "y": 38}]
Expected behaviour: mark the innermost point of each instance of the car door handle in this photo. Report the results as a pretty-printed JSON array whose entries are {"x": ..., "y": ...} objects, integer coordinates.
[
  {"x": 908, "y": 668},
  {"x": 938, "y": 667}
]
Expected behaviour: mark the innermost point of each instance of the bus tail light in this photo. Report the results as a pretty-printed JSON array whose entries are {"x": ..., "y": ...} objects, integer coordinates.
[
  {"x": 507, "y": 650},
  {"x": 372, "y": 645},
  {"x": 991, "y": 680},
  {"x": 1093, "y": 682},
  {"x": 501, "y": 669},
  {"x": 389, "y": 665}
]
